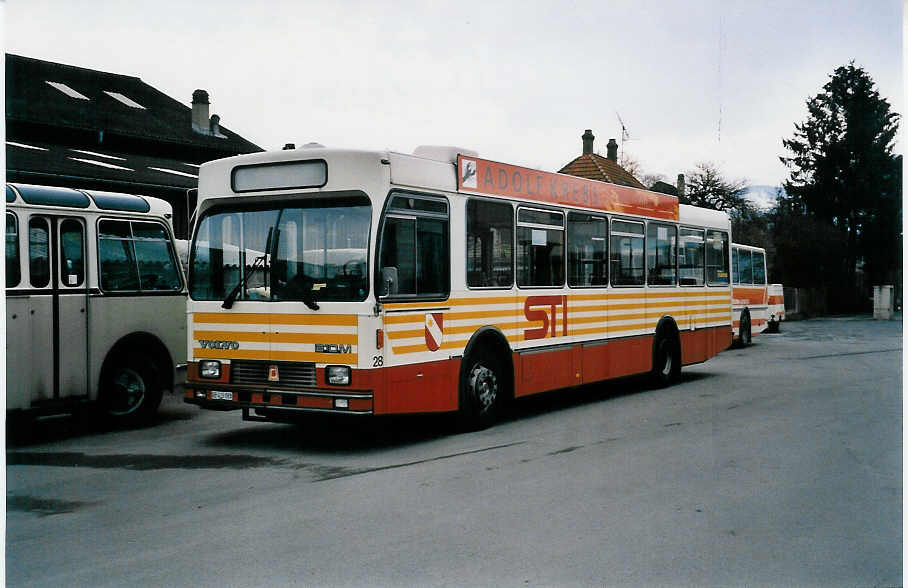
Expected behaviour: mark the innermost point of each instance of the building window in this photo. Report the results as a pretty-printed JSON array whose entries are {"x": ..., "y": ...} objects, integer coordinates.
[{"x": 490, "y": 238}]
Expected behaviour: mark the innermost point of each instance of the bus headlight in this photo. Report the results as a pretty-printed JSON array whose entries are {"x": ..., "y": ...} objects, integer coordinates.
[
  {"x": 338, "y": 375},
  {"x": 209, "y": 368}
]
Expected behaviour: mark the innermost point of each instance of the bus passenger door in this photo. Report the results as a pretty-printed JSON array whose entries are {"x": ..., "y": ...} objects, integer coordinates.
[{"x": 71, "y": 297}]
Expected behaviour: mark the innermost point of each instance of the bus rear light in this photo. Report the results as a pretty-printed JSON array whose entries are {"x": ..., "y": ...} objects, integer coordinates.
[{"x": 379, "y": 338}]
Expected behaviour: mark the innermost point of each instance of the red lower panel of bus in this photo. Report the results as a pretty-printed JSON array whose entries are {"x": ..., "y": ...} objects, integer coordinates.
[{"x": 433, "y": 387}]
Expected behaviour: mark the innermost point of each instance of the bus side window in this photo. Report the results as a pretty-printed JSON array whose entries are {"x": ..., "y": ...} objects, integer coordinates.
[
  {"x": 38, "y": 252},
  {"x": 745, "y": 268},
  {"x": 72, "y": 258},
  {"x": 155, "y": 258},
  {"x": 13, "y": 273},
  {"x": 691, "y": 257},
  {"x": 587, "y": 250},
  {"x": 626, "y": 251},
  {"x": 661, "y": 250},
  {"x": 116, "y": 257},
  {"x": 717, "y": 258},
  {"x": 759, "y": 268},
  {"x": 490, "y": 237},
  {"x": 415, "y": 251}
]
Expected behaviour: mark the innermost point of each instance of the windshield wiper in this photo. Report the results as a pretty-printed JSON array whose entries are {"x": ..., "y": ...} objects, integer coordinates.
[
  {"x": 256, "y": 265},
  {"x": 260, "y": 262}
]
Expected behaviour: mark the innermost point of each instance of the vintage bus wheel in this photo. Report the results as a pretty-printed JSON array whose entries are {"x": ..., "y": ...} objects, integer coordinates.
[
  {"x": 666, "y": 362},
  {"x": 131, "y": 390},
  {"x": 744, "y": 334},
  {"x": 481, "y": 394}
]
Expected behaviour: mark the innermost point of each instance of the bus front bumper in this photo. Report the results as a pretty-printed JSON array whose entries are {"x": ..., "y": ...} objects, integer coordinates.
[{"x": 224, "y": 397}]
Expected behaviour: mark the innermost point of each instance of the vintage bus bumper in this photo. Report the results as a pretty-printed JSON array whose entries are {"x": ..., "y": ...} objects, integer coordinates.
[{"x": 277, "y": 400}]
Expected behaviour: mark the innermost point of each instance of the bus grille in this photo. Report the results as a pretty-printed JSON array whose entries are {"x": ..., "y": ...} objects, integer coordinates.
[{"x": 254, "y": 373}]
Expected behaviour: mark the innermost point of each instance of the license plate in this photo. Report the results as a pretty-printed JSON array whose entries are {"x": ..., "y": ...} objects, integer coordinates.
[{"x": 221, "y": 395}]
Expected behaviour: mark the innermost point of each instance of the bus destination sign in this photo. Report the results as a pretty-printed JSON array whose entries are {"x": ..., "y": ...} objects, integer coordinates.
[{"x": 480, "y": 176}]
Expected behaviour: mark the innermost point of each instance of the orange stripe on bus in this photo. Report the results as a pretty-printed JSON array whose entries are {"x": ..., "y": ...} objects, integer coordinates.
[
  {"x": 275, "y": 355},
  {"x": 337, "y": 320},
  {"x": 253, "y": 336}
]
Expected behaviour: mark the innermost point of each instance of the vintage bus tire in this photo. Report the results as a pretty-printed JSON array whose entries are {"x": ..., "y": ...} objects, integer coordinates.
[
  {"x": 482, "y": 390},
  {"x": 773, "y": 326},
  {"x": 744, "y": 334},
  {"x": 130, "y": 389},
  {"x": 666, "y": 361}
]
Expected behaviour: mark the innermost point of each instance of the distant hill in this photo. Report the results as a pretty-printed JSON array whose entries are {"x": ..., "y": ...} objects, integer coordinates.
[{"x": 763, "y": 197}]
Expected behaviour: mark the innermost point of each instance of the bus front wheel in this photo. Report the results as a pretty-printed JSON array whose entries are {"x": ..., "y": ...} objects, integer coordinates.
[
  {"x": 481, "y": 391},
  {"x": 130, "y": 389}
]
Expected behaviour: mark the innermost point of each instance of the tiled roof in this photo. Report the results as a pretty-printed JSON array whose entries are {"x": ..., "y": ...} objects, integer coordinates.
[
  {"x": 78, "y": 99},
  {"x": 595, "y": 167},
  {"x": 37, "y": 162}
]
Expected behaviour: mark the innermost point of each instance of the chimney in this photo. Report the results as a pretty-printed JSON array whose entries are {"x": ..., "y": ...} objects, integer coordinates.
[
  {"x": 588, "y": 138},
  {"x": 200, "y": 122},
  {"x": 214, "y": 126},
  {"x": 680, "y": 186},
  {"x": 612, "y": 147}
]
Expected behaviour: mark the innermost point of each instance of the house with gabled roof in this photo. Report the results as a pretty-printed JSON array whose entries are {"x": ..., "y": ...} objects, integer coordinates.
[
  {"x": 592, "y": 166},
  {"x": 82, "y": 128}
]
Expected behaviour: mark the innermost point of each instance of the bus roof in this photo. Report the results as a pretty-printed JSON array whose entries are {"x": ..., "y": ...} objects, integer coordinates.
[
  {"x": 87, "y": 200},
  {"x": 750, "y": 247}
]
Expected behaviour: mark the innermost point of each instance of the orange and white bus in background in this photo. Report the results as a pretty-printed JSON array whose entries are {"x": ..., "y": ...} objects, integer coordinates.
[
  {"x": 379, "y": 283},
  {"x": 750, "y": 295},
  {"x": 776, "y": 307}
]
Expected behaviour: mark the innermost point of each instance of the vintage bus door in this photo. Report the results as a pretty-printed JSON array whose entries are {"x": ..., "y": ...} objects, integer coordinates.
[{"x": 71, "y": 299}]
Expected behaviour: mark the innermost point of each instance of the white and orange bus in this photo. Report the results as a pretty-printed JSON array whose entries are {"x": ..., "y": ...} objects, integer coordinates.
[
  {"x": 385, "y": 283},
  {"x": 750, "y": 295},
  {"x": 776, "y": 293}
]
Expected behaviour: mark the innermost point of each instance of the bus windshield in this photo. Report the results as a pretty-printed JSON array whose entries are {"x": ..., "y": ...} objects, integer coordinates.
[{"x": 315, "y": 250}]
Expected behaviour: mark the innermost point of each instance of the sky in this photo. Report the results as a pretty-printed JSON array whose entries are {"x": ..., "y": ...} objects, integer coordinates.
[{"x": 695, "y": 81}]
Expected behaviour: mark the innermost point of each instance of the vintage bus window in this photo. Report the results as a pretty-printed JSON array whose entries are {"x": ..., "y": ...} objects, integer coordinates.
[
  {"x": 117, "y": 257},
  {"x": 72, "y": 252},
  {"x": 540, "y": 248},
  {"x": 318, "y": 252},
  {"x": 690, "y": 260},
  {"x": 490, "y": 230},
  {"x": 415, "y": 253},
  {"x": 717, "y": 258},
  {"x": 587, "y": 250},
  {"x": 661, "y": 248},
  {"x": 13, "y": 273},
  {"x": 38, "y": 252},
  {"x": 745, "y": 268},
  {"x": 626, "y": 253},
  {"x": 156, "y": 258},
  {"x": 759, "y": 267}
]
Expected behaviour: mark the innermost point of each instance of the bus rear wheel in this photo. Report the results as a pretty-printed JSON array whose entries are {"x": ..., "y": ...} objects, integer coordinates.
[
  {"x": 744, "y": 335},
  {"x": 481, "y": 393},
  {"x": 130, "y": 390},
  {"x": 666, "y": 361}
]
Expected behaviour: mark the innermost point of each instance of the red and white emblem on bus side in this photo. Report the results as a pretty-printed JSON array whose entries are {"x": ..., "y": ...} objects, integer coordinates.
[
  {"x": 273, "y": 375},
  {"x": 434, "y": 330}
]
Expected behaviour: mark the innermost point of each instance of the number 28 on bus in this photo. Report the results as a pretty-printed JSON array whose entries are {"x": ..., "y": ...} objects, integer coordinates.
[{"x": 374, "y": 283}]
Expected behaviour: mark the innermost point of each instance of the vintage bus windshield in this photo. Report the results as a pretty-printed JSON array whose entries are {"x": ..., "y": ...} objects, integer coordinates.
[{"x": 317, "y": 250}]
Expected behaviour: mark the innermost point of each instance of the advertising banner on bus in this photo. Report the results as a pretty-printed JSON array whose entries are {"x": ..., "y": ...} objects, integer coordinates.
[{"x": 480, "y": 176}]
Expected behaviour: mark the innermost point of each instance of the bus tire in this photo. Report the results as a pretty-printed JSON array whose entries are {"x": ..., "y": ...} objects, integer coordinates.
[
  {"x": 130, "y": 389},
  {"x": 773, "y": 326},
  {"x": 482, "y": 389},
  {"x": 666, "y": 361},
  {"x": 744, "y": 334}
]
